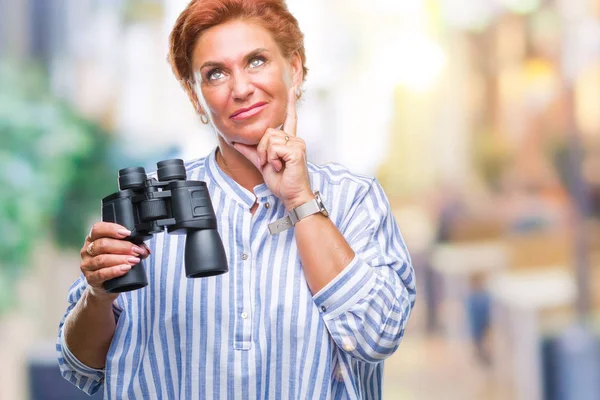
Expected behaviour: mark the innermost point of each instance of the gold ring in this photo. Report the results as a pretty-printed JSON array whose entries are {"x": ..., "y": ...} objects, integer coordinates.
[
  {"x": 286, "y": 138},
  {"x": 90, "y": 249}
]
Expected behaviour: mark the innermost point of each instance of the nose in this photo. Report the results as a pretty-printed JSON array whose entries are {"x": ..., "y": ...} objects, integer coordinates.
[{"x": 241, "y": 86}]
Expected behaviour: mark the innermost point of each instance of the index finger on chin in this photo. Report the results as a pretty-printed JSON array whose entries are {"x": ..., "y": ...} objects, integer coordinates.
[{"x": 291, "y": 119}]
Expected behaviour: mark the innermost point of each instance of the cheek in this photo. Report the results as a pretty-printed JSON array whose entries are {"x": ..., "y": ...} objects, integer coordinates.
[
  {"x": 215, "y": 99},
  {"x": 272, "y": 80}
]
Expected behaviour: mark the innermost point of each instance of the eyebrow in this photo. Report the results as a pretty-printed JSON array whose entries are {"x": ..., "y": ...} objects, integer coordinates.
[{"x": 247, "y": 57}]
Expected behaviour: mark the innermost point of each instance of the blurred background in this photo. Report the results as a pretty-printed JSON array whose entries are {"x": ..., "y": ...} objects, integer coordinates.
[{"x": 481, "y": 119}]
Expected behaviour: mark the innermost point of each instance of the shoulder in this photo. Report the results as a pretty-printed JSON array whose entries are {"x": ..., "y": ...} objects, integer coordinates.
[
  {"x": 337, "y": 180},
  {"x": 335, "y": 174},
  {"x": 195, "y": 168}
]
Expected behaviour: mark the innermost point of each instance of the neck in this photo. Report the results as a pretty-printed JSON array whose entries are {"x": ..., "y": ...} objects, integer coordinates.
[{"x": 238, "y": 167}]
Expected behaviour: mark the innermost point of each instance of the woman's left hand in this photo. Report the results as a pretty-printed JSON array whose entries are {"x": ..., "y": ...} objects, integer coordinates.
[{"x": 281, "y": 158}]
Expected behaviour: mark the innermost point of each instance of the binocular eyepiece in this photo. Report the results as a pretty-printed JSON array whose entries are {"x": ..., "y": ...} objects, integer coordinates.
[{"x": 148, "y": 206}]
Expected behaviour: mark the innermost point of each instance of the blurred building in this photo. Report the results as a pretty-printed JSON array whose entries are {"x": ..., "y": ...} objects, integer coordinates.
[{"x": 481, "y": 119}]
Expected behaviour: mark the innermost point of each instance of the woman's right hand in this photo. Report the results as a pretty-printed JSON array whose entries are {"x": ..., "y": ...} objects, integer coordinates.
[{"x": 105, "y": 255}]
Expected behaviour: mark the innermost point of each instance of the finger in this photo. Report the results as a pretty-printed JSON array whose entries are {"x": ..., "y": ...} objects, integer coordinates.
[
  {"x": 97, "y": 278},
  {"x": 249, "y": 152},
  {"x": 145, "y": 246},
  {"x": 276, "y": 163},
  {"x": 116, "y": 246},
  {"x": 108, "y": 261},
  {"x": 107, "y": 229},
  {"x": 263, "y": 145},
  {"x": 291, "y": 119},
  {"x": 277, "y": 153},
  {"x": 272, "y": 137},
  {"x": 277, "y": 150}
]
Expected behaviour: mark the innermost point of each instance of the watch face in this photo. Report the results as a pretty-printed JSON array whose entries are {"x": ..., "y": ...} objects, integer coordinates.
[{"x": 321, "y": 205}]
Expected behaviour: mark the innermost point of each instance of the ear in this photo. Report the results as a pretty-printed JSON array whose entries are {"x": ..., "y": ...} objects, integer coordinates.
[{"x": 297, "y": 70}]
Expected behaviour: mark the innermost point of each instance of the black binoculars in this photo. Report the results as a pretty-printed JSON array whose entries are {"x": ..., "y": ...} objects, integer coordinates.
[{"x": 148, "y": 206}]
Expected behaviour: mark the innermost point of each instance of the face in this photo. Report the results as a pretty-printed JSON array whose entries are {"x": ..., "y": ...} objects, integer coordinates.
[{"x": 243, "y": 79}]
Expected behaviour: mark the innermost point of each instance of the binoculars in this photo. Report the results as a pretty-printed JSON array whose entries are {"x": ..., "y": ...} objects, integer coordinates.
[{"x": 148, "y": 206}]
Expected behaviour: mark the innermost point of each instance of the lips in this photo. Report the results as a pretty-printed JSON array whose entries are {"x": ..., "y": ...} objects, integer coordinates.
[{"x": 244, "y": 113}]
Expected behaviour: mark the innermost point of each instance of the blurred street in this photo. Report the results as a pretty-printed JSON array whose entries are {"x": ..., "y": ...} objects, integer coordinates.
[{"x": 480, "y": 119}]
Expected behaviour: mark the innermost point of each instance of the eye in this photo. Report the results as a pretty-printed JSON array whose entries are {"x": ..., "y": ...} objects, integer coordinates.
[
  {"x": 257, "y": 61},
  {"x": 214, "y": 74}
]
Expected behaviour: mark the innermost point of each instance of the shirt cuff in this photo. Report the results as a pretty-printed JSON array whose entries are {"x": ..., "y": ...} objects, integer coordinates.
[
  {"x": 78, "y": 366},
  {"x": 345, "y": 290}
]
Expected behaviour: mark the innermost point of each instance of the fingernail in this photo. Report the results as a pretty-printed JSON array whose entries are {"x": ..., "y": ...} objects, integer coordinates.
[
  {"x": 147, "y": 248},
  {"x": 125, "y": 267},
  {"x": 124, "y": 232},
  {"x": 133, "y": 260},
  {"x": 137, "y": 251}
]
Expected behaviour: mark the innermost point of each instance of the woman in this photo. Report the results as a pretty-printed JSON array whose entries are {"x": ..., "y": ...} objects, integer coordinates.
[{"x": 308, "y": 310}]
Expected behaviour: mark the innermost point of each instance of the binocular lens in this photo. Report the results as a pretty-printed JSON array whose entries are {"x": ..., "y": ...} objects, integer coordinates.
[
  {"x": 131, "y": 178},
  {"x": 204, "y": 254},
  {"x": 132, "y": 280},
  {"x": 170, "y": 170}
]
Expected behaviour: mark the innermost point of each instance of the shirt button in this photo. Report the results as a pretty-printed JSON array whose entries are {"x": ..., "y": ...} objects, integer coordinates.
[
  {"x": 348, "y": 344},
  {"x": 244, "y": 256},
  {"x": 267, "y": 205},
  {"x": 323, "y": 308},
  {"x": 338, "y": 374},
  {"x": 244, "y": 315}
]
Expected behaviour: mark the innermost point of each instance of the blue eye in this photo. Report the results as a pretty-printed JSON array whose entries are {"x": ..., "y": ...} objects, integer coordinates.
[
  {"x": 257, "y": 62},
  {"x": 215, "y": 74}
]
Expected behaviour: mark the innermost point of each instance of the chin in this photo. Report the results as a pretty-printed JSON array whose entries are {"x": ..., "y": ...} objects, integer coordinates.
[{"x": 249, "y": 134}]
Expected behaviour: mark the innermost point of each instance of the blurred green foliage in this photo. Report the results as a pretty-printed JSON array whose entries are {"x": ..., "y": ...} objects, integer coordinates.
[{"x": 54, "y": 169}]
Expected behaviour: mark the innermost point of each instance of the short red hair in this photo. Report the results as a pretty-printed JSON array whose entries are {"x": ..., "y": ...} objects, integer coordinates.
[{"x": 200, "y": 15}]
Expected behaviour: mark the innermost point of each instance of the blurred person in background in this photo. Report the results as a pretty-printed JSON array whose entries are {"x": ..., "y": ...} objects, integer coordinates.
[
  {"x": 307, "y": 312},
  {"x": 529, "y": 204}
]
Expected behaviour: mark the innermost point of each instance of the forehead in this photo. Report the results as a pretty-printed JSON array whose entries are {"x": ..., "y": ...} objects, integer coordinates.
[{"x": 230, "y": 42}]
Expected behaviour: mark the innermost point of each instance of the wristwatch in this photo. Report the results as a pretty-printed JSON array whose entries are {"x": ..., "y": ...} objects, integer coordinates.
[{"x": 296, "y": 214}]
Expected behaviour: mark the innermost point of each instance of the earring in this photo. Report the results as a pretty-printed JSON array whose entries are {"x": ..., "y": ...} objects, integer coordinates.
[
  {"x": 204, "y": 119},
  {"x": 298, "y": 92}
]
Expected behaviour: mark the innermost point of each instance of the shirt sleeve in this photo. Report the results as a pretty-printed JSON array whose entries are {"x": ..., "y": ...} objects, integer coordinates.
[
  {"x": 366, "y": 307},
  {"x": 88, "y": 379}
]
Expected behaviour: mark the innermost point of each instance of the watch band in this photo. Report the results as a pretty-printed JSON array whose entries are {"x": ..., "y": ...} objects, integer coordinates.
[
  {"x": 309, "y": 208},
  {"x": 280, "y": 225},
  {"x": 296, "y": 214}
]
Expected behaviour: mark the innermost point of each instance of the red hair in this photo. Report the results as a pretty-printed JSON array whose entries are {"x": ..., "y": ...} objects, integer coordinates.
[{"x": 200, "y": 15}]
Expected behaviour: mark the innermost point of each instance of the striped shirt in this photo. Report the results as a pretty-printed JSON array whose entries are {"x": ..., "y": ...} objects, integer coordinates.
[{"x": 257, "y": 332}]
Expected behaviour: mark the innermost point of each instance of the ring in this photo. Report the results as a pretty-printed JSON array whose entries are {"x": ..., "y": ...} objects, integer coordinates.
[
  {"x": 286, "y": 138},
  {"x": 90, "y": 249}
]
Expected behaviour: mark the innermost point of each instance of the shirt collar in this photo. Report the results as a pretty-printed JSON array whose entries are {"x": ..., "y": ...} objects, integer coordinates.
[{"x": 239, "y": 193}]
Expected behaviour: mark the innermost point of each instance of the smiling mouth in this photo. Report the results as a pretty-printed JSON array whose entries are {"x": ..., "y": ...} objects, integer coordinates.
[{"x": 248, "y": 112}]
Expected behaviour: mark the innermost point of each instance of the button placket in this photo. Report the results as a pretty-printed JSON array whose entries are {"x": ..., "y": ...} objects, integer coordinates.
[
  {"x": 243, "y": 340},
  {"x": 245, "y": 314}
]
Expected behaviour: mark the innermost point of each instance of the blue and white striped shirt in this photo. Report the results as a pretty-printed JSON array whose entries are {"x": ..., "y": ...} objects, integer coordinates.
[{"x": 258, "y": 332}]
